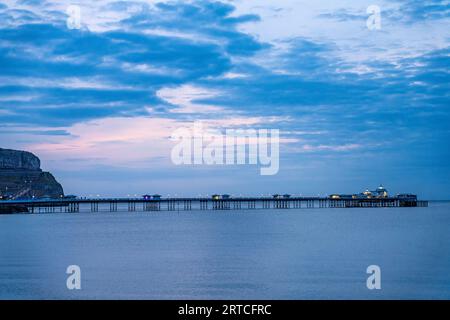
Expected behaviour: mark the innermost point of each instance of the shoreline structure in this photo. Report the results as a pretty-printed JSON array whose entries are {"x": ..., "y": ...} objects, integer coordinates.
[{"x": 216, "y": 202}]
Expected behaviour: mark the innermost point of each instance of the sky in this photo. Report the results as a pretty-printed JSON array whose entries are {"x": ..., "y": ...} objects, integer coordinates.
[{"x": 355, "y": 106}]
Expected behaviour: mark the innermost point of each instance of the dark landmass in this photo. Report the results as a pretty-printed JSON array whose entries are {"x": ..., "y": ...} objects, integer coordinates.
[
  {"x": 10, "y": 209},
  {"x": 21, "y": 177}
]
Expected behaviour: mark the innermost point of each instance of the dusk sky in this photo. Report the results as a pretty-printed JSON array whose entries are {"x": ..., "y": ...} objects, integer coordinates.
[{"x": 355, "y": 107}]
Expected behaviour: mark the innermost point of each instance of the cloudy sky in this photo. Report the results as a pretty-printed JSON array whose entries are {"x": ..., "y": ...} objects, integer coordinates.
[{"x": 355, "y": 107}]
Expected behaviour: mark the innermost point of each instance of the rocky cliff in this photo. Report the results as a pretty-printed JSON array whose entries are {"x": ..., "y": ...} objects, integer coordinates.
[
  {"x": 18, "y": 160},
  {"x": 21, "y": 177}
]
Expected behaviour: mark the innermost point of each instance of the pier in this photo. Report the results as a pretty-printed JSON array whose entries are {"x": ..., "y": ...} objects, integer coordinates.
[{"x": 204, "y": 204}]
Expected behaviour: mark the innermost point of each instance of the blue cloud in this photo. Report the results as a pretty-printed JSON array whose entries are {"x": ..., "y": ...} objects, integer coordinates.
[
  {"x": 81, "y": 54},
  {"x": 420, "y": 10},
  {"x": 343, "y": 15},
  {"x": 408, "y": 11},
  {"x": 311, "y": 78}
]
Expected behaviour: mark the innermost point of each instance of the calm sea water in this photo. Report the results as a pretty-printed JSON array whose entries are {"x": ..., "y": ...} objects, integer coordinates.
[{"x": 284, "y": 254}]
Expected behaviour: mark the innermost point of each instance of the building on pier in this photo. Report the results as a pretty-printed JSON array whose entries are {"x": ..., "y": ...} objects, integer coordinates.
[
  {"x": 343, "y": 196},
  {"x": 407, "y": 196},
  {"x": 151, "y": 197},
  {"x": 221, "y": 197},
  {"x": 378, "y": 193}
]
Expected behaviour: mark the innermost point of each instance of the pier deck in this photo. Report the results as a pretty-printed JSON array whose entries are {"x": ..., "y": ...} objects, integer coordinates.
[{"x": 188, "y": 204}]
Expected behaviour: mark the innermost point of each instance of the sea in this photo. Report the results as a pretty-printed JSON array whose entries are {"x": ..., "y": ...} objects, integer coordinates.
[{"x": 242, "y": 254}]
